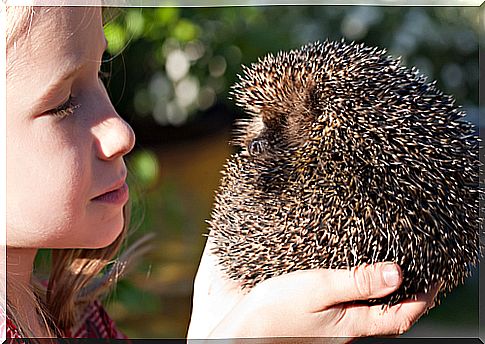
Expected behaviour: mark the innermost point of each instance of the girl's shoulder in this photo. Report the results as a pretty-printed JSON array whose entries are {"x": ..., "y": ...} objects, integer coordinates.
[
  {"x": 11, "y": 330},
  {"x": 95, "y": 323}
]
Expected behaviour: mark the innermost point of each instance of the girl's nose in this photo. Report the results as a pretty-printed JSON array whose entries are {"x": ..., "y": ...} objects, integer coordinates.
[{"x": 115, "y": 138}]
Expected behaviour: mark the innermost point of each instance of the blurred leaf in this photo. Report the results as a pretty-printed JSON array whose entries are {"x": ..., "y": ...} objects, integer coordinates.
[
  {"x": 144, "y": 165},
  {"x": 115, "y": 36},
  {"x": 135, "y": 22},
  {"x": 134, "y": 299},
  {"x": 167, "y": 15},
  {"x": 185, "y": 31}
]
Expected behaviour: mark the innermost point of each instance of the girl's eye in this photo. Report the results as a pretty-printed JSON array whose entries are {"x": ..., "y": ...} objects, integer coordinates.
[{"x": 64, "y": 110}]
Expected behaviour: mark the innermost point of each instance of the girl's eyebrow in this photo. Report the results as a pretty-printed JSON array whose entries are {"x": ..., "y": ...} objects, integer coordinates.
[
  {"x": 53, "y": 88},
  {"x": 68, "y": 73}
]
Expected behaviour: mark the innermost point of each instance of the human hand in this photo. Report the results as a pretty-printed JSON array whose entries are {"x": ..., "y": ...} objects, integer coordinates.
[{"x": 307, "y": 303}]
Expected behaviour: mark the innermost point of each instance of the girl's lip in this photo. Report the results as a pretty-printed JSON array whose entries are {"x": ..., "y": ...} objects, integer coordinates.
[{"x": 117, "y": 196}]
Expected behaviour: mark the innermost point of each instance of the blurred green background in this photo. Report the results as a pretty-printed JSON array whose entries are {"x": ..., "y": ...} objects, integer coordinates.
[{"x": 170, "y": 73}]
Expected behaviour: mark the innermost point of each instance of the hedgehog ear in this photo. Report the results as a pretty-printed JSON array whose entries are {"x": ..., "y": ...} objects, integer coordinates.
[
  {"x": 270, "y": 118},
  {"x": 303, "y": 114}
]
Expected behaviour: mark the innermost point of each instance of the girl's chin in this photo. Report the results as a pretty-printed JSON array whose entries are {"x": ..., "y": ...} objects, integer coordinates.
[
  {"x": 101, "y": 238},
  {"x": 104, "y": 234},
  {"x": 104, "y": 242}
]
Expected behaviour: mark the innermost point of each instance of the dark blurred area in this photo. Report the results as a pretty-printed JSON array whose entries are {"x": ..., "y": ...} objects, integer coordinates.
[{"x": 170, "y": 72}]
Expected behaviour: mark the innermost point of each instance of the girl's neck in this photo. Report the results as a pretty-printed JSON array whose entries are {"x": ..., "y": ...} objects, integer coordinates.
[
  {"x": 20, "y": 294},
  {"x": 20, "y": 263}
]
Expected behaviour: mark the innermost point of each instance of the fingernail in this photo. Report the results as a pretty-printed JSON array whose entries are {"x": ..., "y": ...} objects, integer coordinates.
[{"x": 391, "y": 275}]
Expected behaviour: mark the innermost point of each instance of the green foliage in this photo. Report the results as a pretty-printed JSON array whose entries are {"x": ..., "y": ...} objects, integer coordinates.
[
  {"x": 179, "y": 62},
  {"x": 116, "y": 36},
  {"x": 185, "y": 31},
  {"x": 135, "y": 23},
  {"x": 134, "y": 299},
  {"x": 144, "y": 166},
  {"x": 167, "y": 15}
]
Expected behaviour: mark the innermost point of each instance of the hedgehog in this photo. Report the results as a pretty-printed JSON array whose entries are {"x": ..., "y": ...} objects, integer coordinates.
[{"x": 347, "y": 157}]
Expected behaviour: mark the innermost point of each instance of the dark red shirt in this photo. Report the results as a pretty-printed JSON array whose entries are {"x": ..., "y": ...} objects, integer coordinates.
[{"x": 94, "y": 324}]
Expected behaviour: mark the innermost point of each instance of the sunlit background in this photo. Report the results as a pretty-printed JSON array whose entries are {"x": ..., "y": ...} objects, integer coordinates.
[{"x": 171, "y": 71}]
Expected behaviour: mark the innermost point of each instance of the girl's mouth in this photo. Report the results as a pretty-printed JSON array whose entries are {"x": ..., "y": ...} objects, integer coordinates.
[{"x": 118, "y": 196}]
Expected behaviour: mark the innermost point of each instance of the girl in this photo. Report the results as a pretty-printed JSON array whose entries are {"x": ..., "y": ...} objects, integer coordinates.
[{"x": 66, "y": 190}]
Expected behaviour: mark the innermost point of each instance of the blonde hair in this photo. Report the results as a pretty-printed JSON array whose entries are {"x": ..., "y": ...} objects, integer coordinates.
[
  {"x": 77, "y": 276},
  {"x": 18, "y": 23}
]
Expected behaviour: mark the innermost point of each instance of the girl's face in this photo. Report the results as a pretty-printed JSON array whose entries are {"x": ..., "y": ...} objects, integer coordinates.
[{"x": 65, "y": 141}]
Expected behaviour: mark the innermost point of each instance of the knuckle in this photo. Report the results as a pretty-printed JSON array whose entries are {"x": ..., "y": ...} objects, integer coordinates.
[
  {"x": 340, "y": 316},
  {"x": 405, "y": 326},
  {"x": 363, "y": 281}
]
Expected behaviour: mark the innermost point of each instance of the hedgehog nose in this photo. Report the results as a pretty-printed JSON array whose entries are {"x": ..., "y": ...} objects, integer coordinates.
[{"x": 257, "y": 147}]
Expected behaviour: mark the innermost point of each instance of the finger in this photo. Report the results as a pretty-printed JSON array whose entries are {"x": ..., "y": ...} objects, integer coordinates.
[
  {"x": 329, "y": 287},
  {"x": 363, "y": 282},
  {"x": 392, "y": 320}
]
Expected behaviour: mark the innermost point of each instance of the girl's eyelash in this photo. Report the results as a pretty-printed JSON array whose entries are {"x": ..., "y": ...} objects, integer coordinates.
[
  {"x": 65, "y": 109},
  {"x": 68, "y": 107}
]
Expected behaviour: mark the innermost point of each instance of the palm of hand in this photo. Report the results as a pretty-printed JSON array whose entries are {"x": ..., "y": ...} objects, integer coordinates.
[{"x": 310, "y": 303}]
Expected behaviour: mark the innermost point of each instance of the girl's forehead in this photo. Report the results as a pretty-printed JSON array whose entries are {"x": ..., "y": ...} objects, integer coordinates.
[
  {"x": 66, "y": 23},
  {"x": 57, "y": 33},
  {"x": 59, "y": 42},
  {"x": 40, "y": 26}
]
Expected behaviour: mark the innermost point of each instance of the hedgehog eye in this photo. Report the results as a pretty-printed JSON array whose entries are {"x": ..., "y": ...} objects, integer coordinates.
[{"x": 257, "y": 147}]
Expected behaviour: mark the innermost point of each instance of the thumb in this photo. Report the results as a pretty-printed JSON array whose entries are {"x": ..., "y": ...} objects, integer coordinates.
[
  {"x": 364, "y": 282},
  {"x": 330, "y": 287}
]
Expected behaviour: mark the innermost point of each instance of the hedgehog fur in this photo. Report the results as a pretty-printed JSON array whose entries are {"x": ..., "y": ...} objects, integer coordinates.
[{"x": 347, "y": 158}]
